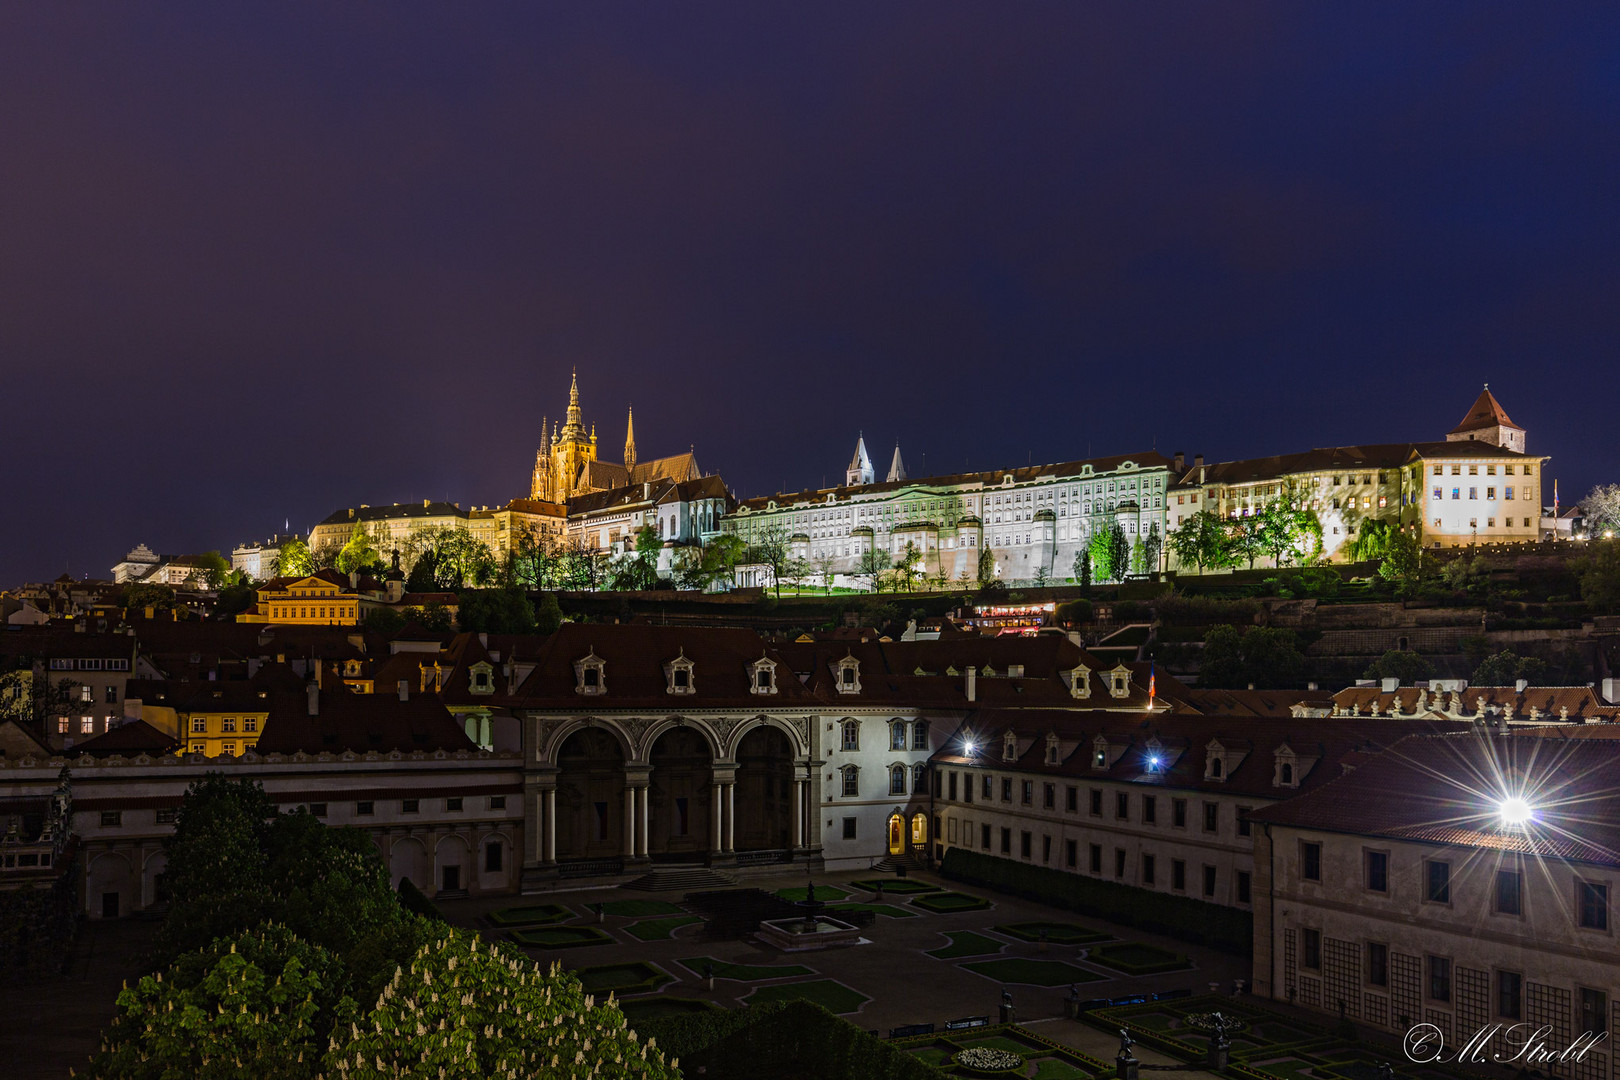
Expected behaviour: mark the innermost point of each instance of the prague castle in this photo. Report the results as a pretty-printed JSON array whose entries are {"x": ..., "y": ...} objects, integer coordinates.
[{"x": 566, "y": 463}]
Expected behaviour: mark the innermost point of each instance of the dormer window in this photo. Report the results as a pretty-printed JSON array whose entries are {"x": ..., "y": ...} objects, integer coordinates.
[
  {"x": 1052, "y": 750},
  {"x": 1099, "y": 753},
  {"x": 1119, "y": 682},
  {"x": 1286, "y": 775},
  {"x": 762, "y": 676},
  {"x": 1287, "y": 770},
  {"x": 482, "y": 678},
  {"x": 590, "y": 675},
  {"x": 1215, "y": 762},
  {"x": 1009, "y": 748},
  {"x": 1079, "y": 680},
  {"x": 678, "y": 676},
  {"x": 848, "y": 678}
]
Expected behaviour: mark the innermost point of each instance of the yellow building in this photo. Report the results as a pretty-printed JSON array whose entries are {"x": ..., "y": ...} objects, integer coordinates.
[
  {"x": 566, "y": 463},
  {"x": 325, "y": 598}
]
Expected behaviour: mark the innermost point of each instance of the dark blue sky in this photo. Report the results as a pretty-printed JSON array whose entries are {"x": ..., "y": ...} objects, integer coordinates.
[{"x": 260, "y": 263}]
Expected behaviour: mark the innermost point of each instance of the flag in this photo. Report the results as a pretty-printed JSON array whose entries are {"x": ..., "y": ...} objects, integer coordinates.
[{"x": 1152, "y": 671}]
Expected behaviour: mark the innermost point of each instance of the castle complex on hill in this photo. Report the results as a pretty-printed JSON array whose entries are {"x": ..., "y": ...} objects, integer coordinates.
[{"x": 566, "y": 463}]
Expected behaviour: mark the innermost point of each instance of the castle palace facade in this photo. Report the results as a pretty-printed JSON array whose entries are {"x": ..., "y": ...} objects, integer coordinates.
[{"x": 566, "y": 463}]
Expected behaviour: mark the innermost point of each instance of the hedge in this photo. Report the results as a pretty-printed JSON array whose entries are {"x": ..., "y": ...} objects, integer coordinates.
[
  {"x": 37, "y": 927},
  {"x": 1195, "y": 921},
  {"x": 416, "y": 902},
  {"x": 786, "y": 1040}
]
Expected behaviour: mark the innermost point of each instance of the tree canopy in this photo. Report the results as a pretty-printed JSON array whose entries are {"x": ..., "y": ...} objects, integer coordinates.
[{"x": 1265, "y": 657}]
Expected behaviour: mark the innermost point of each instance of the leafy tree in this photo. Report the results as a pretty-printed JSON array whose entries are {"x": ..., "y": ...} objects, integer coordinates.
[
  {"x": 1138, "y": 559},
  {"x": 1247, "y": 538},
  {"x": 1151, "y": 547},
  {"x": 637, "y": 569},
  {"x": 907, "y": 568},
  {"x": 1371, "y": 541},
  {"x": 1403, "y": 563},
  {"x": 216, "y": 867},
  {"x": 771, "y": 550},
  {"x": 1601, "y": 508},
  {"x": 1073, "y": 613},
  {"x": 1408, "y": 667},
  {"x": 235, "y": 598},
  {"x": 1600, "y": 575},
  {"x": 212, "y": 572},
  {"x": 548, "y": 616},
  {"x": 1102, "y": 553},
  {"x": 872, "y": 565},
  {"x": 383, "y": 621},
  {"x": 1082, "y": 569},
  {"x": 1467, "y": 573},
  {"x": 33, "y": 700},
  {"x": 140, "y": 595},
  {"x": 712, "y": 564},
  {"x": 1507, "y": 667},
  {"x": 1265, "y": 657},
  {"x": 1043, "y": 577},
  {"x": 1119, "y": 550},
  {"x": 1202, "y": 542},
  {"x": 1220, "y": 663},
  {"x": 434, "y": 617},
  {"x": 987, "y": 565},
  {"x": 1280, "y": 531},
  {"x": 293, "y": 559},
  {"x": 534, "y": 561},
  {"x": 496, "y": 611},
  {"x": 360, "y": 553}
]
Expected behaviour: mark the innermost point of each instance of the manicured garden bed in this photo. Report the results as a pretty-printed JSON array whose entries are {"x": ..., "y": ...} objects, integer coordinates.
[
  {"x": 1035, "y": 972},
  {"x": 966, "y": 943},
  {"x": 743, "y": 972},
  {"x": 888, "y": 910},
  {"x": 637, "y": 909},
  {"x": 947, "y": 902},
  {"x": 562, "y": 937},
  {"x": 531, "y": 915},
  {"x": 1056, "y": 933},
  {"x": 659, "y": 929},
  {"x": 635, "y": 977},
  {"x": 642, "y": 1010},
  {"x": 1050, "y": 1060},
  {"x": 897, "y": 886},
  {"x": 1136, "y": 958},
  {"x": 823, "y": 892},
  {"x": 833, "y": 996}
]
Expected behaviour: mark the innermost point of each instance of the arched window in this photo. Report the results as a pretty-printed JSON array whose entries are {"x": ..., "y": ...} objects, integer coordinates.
[
  {"x": 897, "y": 735},
  {"x": 919, "y": 735},
  {"x": 897, "y": 780},
  {"x": 1288, "y": 774},
  {"x": 919, "y": 777},
  {"x": 1215, "y": 766},
  {"x": 852, "y": 786},
  {"x": 852, "y": 735}
]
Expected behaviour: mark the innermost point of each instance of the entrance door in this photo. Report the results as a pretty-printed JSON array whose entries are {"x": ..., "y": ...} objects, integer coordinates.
[
  {"x": 109, "y": 905},
  {"x": 452, "y": 879},
  {"x": 897, "y": 835}
]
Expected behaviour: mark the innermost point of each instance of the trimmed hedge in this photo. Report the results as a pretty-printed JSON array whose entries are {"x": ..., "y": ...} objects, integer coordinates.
[
  {"x": 785, "y": 1040},
  {"x": 1223, "y": 928},
  {"x": 1136, "y": 958},
  {"x": 416, "y": 902},
  {"x": 37, "y": 927}
]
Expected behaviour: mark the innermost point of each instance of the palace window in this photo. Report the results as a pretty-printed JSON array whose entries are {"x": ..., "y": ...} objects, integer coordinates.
[
  {"x": 852, "y": 735},
  {"x": 852, "y": 785},
  {"x": 763, "y": 676},
  {"x": 897, "y": 780},
  {"x": 897, "y": 735},
  {"x": 590, "y": 675},
  {"x": 1509, "y": 893},
  {"x": 1377, "y": 964},
  {"x": 1310, "y": 861},
  {"x": 919, "y": 735},
  {"x": 1592, "y": 905},
  {"x": 1377, "y": 871},
  {"x": 1439, "y": 978},
  {"x": 1437, "y": 882}
]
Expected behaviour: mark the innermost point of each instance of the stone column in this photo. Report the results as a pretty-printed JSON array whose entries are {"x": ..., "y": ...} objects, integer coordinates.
[
  {"x": 798, "y": 813},
  {"x": 550, "y": 854},
  {"x": 731, "y": 816},
  {"x": 629, "y": 822},
  {"x": 641, "y": 797},
  {"x": 714, "y": 818}
]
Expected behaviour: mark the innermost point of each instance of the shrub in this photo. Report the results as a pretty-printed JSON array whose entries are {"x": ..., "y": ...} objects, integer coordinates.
[
  {"x": 1226, "y": 929},
  {"x": 416, "y": 902}
]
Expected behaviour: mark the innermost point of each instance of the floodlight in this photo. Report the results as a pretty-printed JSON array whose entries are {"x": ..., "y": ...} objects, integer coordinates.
[{"x": 1515, "y": 812}]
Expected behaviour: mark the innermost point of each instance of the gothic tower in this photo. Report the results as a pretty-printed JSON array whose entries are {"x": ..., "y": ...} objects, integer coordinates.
[
  {"x": 630, "y": 442},
  {"x": 860, "y": 466}
]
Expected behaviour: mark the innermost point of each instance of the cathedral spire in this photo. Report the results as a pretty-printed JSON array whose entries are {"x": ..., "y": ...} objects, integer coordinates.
[
  {"x": 630, "y": 441},
  {"x": 897, "y": 468},
  {"x": 573, "y": 422}
]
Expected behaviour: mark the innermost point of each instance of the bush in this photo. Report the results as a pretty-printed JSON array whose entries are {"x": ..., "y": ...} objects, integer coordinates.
[
  {"x": 416, "y": 902},
  {"x": 37, "y": 926},
  {"x": 1226, "y": 929}
]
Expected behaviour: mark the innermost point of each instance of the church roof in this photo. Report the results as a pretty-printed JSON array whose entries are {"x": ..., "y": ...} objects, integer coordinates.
[
  {"x": 677, "y": 467},
  {"x": 1487, "y": 412},
  {"x": 897, "y": 468},
  {"x": 860, "y": 460}
]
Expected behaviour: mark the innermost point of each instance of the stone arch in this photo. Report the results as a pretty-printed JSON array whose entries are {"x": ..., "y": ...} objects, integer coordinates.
[
  {"x": 452, "y": 864},
  {"x": 486, "y": 878},
  {"x": 680, "y": 792},
  {"x": 895, "y": 832},
  {"x": 765, "y": 789},
  {"x": 553, "y": 743},
  {"x": 108, "y": 875},
  {"x": 659, "y": 728},
  {"x": 590, "y": 792},
  {"x": 408, "y": 858},
  {"x": 795, "y": 737},
  {"x": 153, "y": 890}
]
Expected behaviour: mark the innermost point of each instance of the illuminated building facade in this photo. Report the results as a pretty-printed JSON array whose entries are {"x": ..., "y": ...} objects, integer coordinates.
[{"x": 566, "y": 464}]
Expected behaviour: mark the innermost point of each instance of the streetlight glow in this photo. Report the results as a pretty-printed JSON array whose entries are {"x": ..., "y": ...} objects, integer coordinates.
[
  {"x": 1515, "y": 812},
  {"x": 967, "y": 745}
]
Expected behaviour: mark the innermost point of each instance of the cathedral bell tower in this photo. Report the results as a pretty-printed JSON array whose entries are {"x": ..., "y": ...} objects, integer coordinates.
[{"x": 630, "y": 442}]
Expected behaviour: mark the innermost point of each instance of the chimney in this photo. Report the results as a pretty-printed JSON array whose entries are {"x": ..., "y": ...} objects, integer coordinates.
[
  {"x": 1520, "y": 685},
  {"x": 354, "y": 579},
  {"x": 483, "y": 639},
  {"x": 646, "y": 490},
  {"x": 972, "y": 683},
  {"x": 1611, "y": 690},
  {"x": 1198, "y": 461},
  {"x": 1311, "y": 686},
  {"x": 404, "y": 690},
  {"x": 318, "y": 666},
  {"x": 1391, "y": 684},
  {"x": 1180, "y": 461},
  {"x": 312, "y": 691}
]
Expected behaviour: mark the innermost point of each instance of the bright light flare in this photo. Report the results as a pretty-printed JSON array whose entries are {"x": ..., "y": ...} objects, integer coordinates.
[
  {"x": 1153, "y": 762},
  {"x": 1516, "y": 812},
  {"x": 969, "y": 746}
]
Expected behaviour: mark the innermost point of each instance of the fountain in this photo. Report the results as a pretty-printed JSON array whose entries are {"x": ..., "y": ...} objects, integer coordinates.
[{"x": 813, "y": 931}]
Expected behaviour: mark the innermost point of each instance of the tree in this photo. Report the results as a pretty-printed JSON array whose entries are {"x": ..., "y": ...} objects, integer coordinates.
[
  {"x": 1043, "y": 577},
  {"x": 534, "y": 561},
  {"x": 871, "y": 564},
  {"x": 907, "y": 568},
  {"x": 385, "y": 621},
  {"x": 1372, "y": 540},
  {"x": 216, "y": 862},
  {"x": 293, "y": 559},
  {"x": 1246, "y": 538},
  {"x": 1407, "y": 667},
  {"x": 446, "y": 559},
  {"x": 1403, "y": 563},
  {"x": 212, "y": 572},
  {"x": 1277, "y": 530},
  {"x": 1150, "y": 549},
  {"x": 987, "y": 566},
  {"x": 713, "y": 563},
  {"x": 548, "y": 616},
  {"x": 1138, "y": 559},
  {"x": 1600, "y": 575},
  {"x": 1119, "y": 550},
  {"x": 1467, "y": 573},
  {"x": 1102, "y": 553},
  {"x": 140, "y": 595},
  {"x": 1265, "y": 658},
  {"x": 432, "y": 616},
  {"x": 770, "y": 549},
  {"x": 1505, "y": 668},
  {"x": 1203, "y": 542},
  {"x": 1601, "y": 508},
  {"x": 496, "y": 611}
]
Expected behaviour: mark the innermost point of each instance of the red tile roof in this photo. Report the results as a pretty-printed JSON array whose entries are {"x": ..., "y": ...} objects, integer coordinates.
[{"x": 1486, "y": 412}]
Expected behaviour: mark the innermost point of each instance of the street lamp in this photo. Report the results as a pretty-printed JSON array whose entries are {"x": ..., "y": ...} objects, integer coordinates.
[{"x": 1515, "y": 812}]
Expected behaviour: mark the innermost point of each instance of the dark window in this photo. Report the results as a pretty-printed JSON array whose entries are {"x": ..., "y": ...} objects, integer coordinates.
[
  {"x": 1046, "y": 849},
  {"x": 1096, "y": 858},
  {"x": 1006, "y": 789},
  {"x": 849, "y": 828},
  {"x": 1310, "y": 861},
  {"x": 1006, "y": 841},
  {"x": 1209, "y": 881},
  {"x": 492, "y": 858},
  {"x": 1377, "y": 964},
  {"x": 1311, "y": 950},
  {"x": 1096, "y": 802},
  {"x": 1029, "y": 793},
  {"x": 1178, "y": 813},
  {"x": 1594, "y": 904},
  {"x": 1509, "y": 892},
  {"x": 112, "y": 819},
  {"x": 497, "y": 802},
  {"x": 166, "y": 817},
  {"x": 1212, "y": 817},
  {"x": 1119, "y": 862},
  {"x": 1178, "y": 875},
  {"x": 1243, "y": 886},
  {"x": 1147, "y": 869},
  {"x": 1244, "y": 826},
  {"x": 1437, "y": 882},
  {"x": 1594, "y": 1011},
  {"x": 1439, "y": 978},
  {"x": 1023, "y": 844},
  {"x": 1378, "y": 871},
  {"x": 363, "y": 808},
  {"x": 967, "y": 785},
  {"x": 590, "y": 676},
  {"x": 410, "y": 806},
  {"x": 984, "y": 837},
  {"x": 1071, "y": 854},
  {"x": 951, "y": 783},
  {"x": 318, "y": 809},
  {"x": 1072, "y": 794},
  {"x": 989, "y": 788},
  {"x": 1150, "y": 809},
  {"x": 452, "y": 806},
  {"x": 1509, "y": 987},
  {"x": 1122, "y": 806}
]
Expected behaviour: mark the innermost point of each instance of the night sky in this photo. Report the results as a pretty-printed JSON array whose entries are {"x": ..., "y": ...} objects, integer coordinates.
[{"x": 261, "y": 263}]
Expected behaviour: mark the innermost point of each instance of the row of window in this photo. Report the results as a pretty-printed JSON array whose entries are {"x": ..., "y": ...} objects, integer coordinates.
[
  {"x": 1438, "y": 987},
  {"x": 1591, "y": 906},
  {"x": 1147, "y": 814},
  {"x": 112, "y": 819},
  {"x": 1473, "y": 493},
  {"x": 1490, "y": 470},
  {"x": 227, "y": 724},
  {"x": 89, "y": 665},
  {"x": 278, "y": 611},
  {"x": 1490, "y": 523}
]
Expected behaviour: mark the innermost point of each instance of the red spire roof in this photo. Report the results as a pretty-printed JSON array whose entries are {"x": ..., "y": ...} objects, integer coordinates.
[{"x": 1486, "y": 413}]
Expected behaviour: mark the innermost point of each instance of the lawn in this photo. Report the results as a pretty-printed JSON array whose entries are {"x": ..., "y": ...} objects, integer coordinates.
[
  {"x": 1052, "y": 1068},
  {"x": 823, "y": 892},
  {"x": 743, "y": 972},
  {"x": 1056, "y": 932},
  {"x": 1034, "y": 972},
  {"x": 636, "y": 977},
  {"x": 882, "y": 909},
  {"x": 637, "y": 909},
  {"x": 835, "y": 997},
  {"x": 966, "y": 943},
  {"x": 1135, "y": 958},
  {"x": 659, "y": 929},
  {"x": 640, "y": 1010},
  {"x": 562, "y": 937},
  {"x": 897, "y": 886},
  {"x": 530, "y": 915},
  {"x": 948, "y": 902}
]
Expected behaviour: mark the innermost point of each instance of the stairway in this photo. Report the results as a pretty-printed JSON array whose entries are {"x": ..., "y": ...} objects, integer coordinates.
[
  {"x": 680, "y": 878},
  {"x": 892, "y": 863}
]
